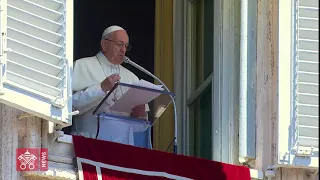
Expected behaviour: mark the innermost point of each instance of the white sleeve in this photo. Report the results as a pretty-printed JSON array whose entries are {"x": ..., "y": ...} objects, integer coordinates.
[{"x": 87, "y": 99}]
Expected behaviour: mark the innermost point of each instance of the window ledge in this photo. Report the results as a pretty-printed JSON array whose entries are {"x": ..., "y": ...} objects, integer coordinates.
[
  {"x": 65, "y": 139},
  {"x": 256, "y": 174}
]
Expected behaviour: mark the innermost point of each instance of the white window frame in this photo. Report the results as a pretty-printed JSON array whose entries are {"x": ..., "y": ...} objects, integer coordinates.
[
  {"x": 225, "y": 73},
  {"x": 286, "y": 156},
  {"x": 225, "y": 83},
  {"x": 224, "y": 126}
]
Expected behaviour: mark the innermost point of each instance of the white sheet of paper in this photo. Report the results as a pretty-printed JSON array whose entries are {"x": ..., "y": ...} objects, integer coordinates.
[{"x": 134, "y": 97}]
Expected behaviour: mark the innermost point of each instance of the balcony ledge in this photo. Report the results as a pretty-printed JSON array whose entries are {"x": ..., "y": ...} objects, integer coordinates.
[
  {"x": 57, "y": 171},
  {"x": 255, "y": 174}
]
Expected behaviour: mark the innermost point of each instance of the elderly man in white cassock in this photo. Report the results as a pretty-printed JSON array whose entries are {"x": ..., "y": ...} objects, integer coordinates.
[{"x": 93, "y": 78}]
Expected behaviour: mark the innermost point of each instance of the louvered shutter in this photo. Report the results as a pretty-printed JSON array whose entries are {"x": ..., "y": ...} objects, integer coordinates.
[
  {"x": 306, "y": 92},
  {"x": 37, "y": 55},
  {"x": 298, "y": 83}
]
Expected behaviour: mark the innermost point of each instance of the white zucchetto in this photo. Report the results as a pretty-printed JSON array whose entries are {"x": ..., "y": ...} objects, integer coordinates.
[{"x": 110, "y": 29}]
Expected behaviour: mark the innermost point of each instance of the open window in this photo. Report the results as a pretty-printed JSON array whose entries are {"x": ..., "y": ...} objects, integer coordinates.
[
  {"x": 200, "y": 73},
  {"x": 37, "y": 57}
]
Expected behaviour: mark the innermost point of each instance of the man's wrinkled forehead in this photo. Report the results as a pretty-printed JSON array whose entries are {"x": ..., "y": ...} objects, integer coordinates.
[{"x": 120, "y": 35}]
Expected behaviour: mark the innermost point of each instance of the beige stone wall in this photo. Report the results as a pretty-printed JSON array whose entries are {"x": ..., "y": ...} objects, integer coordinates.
[
  {"x": 295, "y": 174},
  {"x": 266, "y": 112},
  {"x": 9, "y": 141},
  {"x": 17, "y": 130}
]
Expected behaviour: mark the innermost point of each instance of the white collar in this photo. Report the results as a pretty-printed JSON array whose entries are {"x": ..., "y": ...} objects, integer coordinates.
[{"x": 103, "y": 59}]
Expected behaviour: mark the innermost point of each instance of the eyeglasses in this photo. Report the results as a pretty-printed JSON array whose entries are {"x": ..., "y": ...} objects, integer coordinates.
[{"x": 120, "y": 44}]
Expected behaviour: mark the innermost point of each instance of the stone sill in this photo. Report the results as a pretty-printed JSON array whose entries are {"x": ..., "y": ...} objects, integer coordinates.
[
  {"x": 57, "y": 171},
  {"x": 256, "y": 174},
  {"x": 65, "y": 139}
]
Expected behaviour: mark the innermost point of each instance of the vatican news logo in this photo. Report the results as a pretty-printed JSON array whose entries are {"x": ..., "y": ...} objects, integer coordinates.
[{"x": 32, "y": 159}]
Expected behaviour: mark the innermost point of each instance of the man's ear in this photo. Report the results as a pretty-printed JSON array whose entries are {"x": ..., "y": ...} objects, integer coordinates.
[{"x": 103, "y": 45}]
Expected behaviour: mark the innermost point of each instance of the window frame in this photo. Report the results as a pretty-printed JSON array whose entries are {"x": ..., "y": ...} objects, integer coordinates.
[
  {"x": 193, "y": 92},
  {"x": 223, "y": 80}
]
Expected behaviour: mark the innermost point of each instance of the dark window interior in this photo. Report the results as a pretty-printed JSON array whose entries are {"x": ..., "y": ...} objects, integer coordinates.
[{"x": 137, "y": 17}]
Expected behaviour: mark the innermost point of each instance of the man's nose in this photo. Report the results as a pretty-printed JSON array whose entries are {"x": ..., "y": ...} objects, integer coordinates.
[{"x": 123, "y": 49}]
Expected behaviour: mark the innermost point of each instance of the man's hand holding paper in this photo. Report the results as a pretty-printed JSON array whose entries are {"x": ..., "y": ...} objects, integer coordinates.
[
  {"x": 109, "y": 82},
  {"x": 139, "y": 111}
]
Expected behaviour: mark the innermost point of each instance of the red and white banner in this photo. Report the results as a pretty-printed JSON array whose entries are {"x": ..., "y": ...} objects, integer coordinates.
[{"x": 103, "y": 160}]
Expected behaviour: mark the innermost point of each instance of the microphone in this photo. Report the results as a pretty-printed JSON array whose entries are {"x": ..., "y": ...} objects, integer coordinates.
[{"x": 128, "y": 61}]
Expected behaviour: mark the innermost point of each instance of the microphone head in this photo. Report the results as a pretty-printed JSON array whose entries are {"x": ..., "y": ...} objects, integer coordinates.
[{"x": 126, "y": 59}]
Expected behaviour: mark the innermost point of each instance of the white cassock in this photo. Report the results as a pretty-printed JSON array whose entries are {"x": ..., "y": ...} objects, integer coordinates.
[{"x": 87, "y": 77}]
